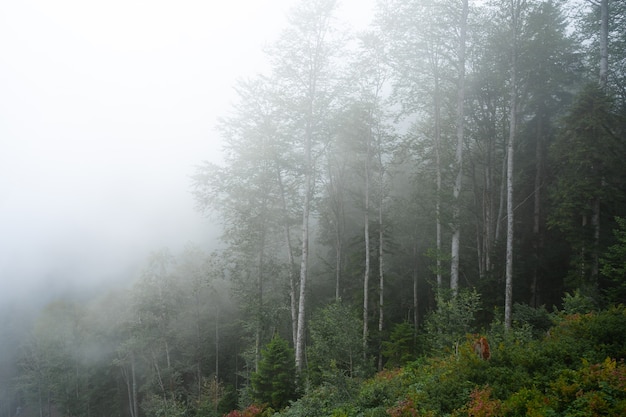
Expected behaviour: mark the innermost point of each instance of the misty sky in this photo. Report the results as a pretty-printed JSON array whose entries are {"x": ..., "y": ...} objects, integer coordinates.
[{"x": 105, "y": 109}]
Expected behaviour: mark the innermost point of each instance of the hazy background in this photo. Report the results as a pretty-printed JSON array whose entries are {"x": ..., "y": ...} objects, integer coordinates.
[{"x": 105, "y": 109}]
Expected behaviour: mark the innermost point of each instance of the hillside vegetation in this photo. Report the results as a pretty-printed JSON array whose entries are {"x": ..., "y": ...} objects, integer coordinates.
[{"x": 574, "y": 368}]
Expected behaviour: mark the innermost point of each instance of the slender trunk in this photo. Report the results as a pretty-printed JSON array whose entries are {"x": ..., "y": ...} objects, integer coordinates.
[
  {"x": 134, "y": 405},
  {"x": 595, "y": 223},
  {"x": 604, "y": 42},
  {"x": 366, "y": 277},
  {"x": 537, "y": 240},
  {"x": 415, "y": 289},
  {"x": 489, "y": 205},
  {"x": 479, "y": 205},
  {"x": 198, "y": 347},
  {"x": 604, "y": 70},
  {"x": 257, "y": 342},
  {"x": 508, "y": 296},
  {"x": 381, "y": 263},
  {"x": 290, "y": 258},
  {"x": 437, "y": 102},
  {"x": 502, "y": 202},
  {"x": 338, "y": 255},
  {"x": 41, "y": 403},
  {"x": 299, "y": 351},
  {"x": 338, "y": 213},
  {"x": 460, "y": 116},
  {"x": 217, "y": 342}
]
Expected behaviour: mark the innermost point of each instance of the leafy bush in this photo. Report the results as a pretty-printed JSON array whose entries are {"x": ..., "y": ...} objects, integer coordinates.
[{"x": 452, "y": 320}]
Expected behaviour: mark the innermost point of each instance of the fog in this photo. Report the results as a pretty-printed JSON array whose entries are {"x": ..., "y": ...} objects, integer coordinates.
[{"x": 105, "y": 110}]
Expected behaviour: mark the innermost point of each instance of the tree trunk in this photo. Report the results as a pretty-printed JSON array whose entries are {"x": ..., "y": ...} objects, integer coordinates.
[
  {"x": 306, "y": 208},
  {"x": 415, "y": 289},
  {"x": 604, "y": 42},
  {"x": 217, "y": 342},
  {"x": 134, "y": 404},
  {"x": 460, "y": 127},
  {"x": 381, "y": 245},
  {"x": 537, "y": 239},
  {"x": 366, "y": 277},
  {"x": 437, "y": 105},
  {"x": 508, "y": 292},
  {"x": 259, "y": 312},
  {"x": 290, "y": 257}
]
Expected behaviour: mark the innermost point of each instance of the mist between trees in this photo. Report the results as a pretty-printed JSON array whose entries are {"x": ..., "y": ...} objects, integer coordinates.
[{"x": 456, "y": 157}]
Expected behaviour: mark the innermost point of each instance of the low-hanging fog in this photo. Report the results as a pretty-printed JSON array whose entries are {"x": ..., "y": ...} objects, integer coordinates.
[{"x": 105, "y": 110}]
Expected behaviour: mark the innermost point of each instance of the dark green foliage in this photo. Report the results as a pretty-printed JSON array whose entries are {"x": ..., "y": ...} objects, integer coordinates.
[
  {"x": 400, "y": 348},
  {"x": 275, "y": 382},
  {"x": 614, "y": 264},
  {"x": 538, "y": 319},
  {"x": 587, "y": 156}
]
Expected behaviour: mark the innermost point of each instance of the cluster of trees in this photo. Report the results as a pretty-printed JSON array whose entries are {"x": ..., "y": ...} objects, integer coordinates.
[
  {"x": 368, "y": 180},
  {"x": 450, "y": 145}
]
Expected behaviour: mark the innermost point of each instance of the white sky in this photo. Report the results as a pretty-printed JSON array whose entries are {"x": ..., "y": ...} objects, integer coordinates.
[{"x": 105, "y": 108}]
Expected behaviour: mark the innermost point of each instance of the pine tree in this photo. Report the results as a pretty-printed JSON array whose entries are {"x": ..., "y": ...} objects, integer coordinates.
[{"x": 274, "y": 383}]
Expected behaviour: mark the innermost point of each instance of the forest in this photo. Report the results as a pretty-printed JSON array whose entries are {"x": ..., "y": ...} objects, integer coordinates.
[{"x": 387, "y": 198}]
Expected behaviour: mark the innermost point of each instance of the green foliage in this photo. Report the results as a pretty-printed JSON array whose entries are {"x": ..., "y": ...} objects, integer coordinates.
[
  {"x": 158, "y": 406},
  {"x": 275, "y": 382},
  {"x": 336, "y": 343},
  {"x": 575, "y": 369},
  {"x": 589, "y": 170},
  {"x": 539, "y": 319},
  {"x": 320, "y": 401},
  {"x": 577, "y": 303},
  {"x": 594, "y": 389},
  {"x": 400, "y": 348},
  {"x": 452, "y": 320},
  {"x": 613, "y": 264}
]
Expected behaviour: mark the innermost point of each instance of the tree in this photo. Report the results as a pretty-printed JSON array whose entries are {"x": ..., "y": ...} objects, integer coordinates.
[
  {"x": 332, "y": 350},
  {"x": 589, "y": 172},
  {"x": 430, "y": 72},
  {"x": 301, "y": 59},
  {"x": 613, "y": 264},
  {"x": 516, "y": 8},
  {"x": 454, "y": 318},
  {"x": 274, "y": 383},
  {"x": 254, "y": 191},
  {"x": 460, "y": 131}
]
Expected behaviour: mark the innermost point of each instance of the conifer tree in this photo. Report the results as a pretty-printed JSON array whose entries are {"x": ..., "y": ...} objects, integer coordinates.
[{"x": 274, "y": 383}]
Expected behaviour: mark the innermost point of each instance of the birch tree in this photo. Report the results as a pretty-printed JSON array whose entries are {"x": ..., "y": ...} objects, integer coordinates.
[{"x": 302, "y": 60}]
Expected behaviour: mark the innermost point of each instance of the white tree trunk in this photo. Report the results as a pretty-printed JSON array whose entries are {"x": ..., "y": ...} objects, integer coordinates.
[
  {"x": 306, "y": 207},
  {"x": 460, "y": 128},
  {"x": 381, "y": 245},
  {"x": 508, "y": 291},
  {"x": 604, "y": 42},
  {"x": 366, "y": 275}
]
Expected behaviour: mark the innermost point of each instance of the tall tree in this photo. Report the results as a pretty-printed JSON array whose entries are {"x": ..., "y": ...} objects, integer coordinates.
[
  {"x": 301, "y": 58},
  {"x": 588, "y": 171},
  {"x": 429, "y": 80},
  {"x": 515, "y": 17},
  {"x": 252, "y": 192},
  {"x": 460, "y": 130}
]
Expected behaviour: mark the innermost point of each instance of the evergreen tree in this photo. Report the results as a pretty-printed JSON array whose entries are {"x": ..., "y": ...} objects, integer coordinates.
[
  {"x": 587, "y": 156},
  {"x": 274, "y": 383}
]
